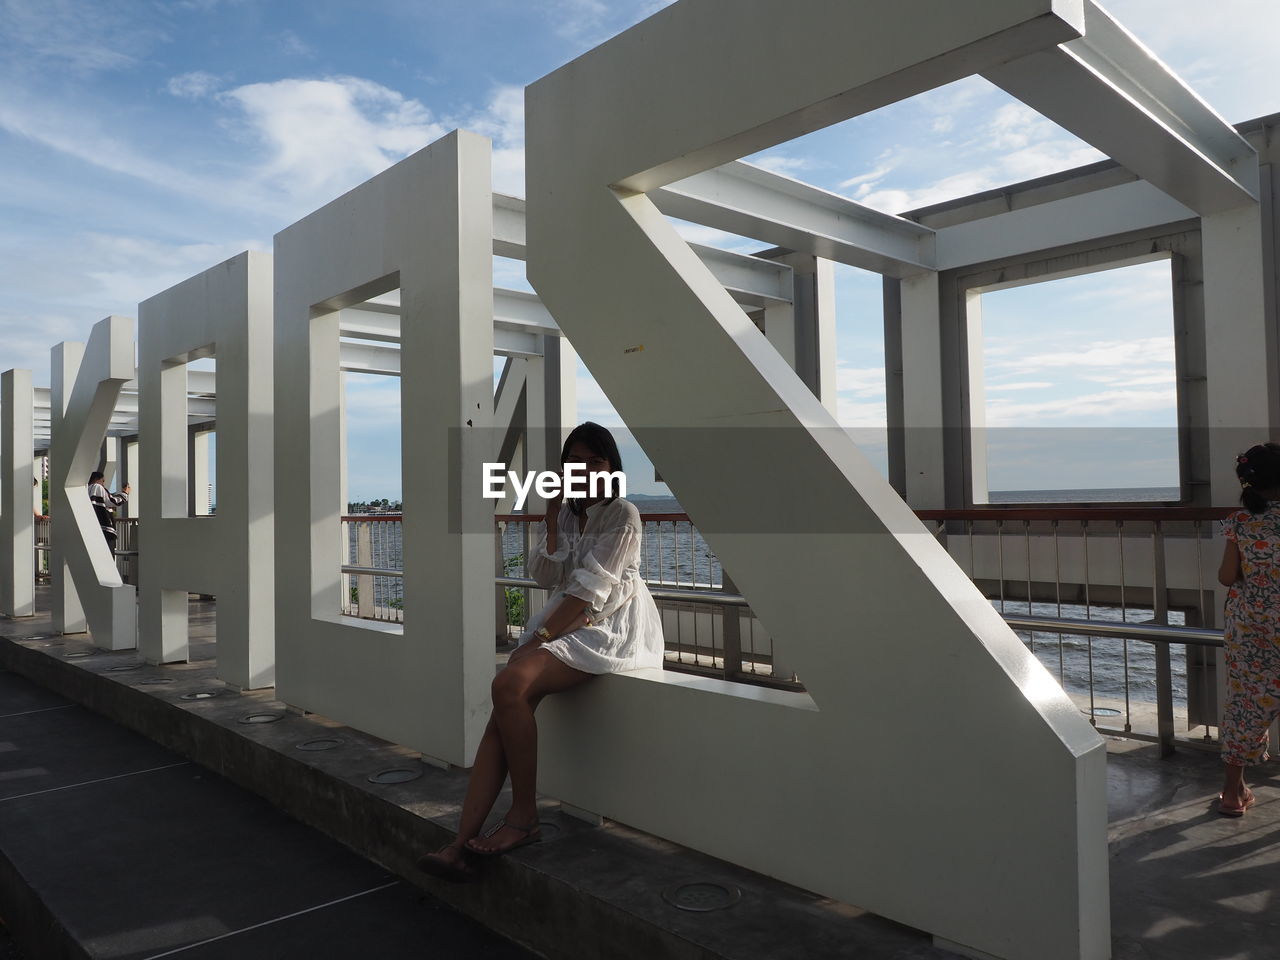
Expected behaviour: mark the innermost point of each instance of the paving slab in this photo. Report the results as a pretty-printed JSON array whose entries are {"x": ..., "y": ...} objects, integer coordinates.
[{"x": 135, "y": 852}]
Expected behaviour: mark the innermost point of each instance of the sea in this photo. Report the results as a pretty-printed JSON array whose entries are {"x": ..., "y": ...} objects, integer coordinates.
[{"x": 675, "y": 554}]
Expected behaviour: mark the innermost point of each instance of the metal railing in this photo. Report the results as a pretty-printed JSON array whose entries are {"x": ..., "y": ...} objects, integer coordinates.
[
  {"x": 708, "y": 627},
  {"x": 372, "y": 574},
  {"x": 126, "y": 548},
  {"x": 1104, "y": 597}
]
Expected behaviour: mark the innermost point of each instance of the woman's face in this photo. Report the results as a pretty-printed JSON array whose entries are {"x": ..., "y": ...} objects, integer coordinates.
[{"x": 581, "y": 453}]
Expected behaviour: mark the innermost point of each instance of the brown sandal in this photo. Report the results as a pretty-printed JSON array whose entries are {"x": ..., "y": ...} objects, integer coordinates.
[
  {"x": 460, "y": 870},
  {"x": 532, "y": 834},
  {"x": 1229, "y": 811}
]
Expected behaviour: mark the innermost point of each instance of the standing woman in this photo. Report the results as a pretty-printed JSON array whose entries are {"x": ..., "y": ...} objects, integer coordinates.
[
  {"x": 598, "y": 619},
  {"x": 1251, "y": 568},
  {"x": 104, "y": 506}
]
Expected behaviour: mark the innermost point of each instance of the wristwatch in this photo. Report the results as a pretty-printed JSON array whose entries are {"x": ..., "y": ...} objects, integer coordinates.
[{"x": 542, "y": 633}]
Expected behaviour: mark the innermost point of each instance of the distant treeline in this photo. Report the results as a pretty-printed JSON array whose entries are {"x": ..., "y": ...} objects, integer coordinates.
[{"x": 375, "y": 506}]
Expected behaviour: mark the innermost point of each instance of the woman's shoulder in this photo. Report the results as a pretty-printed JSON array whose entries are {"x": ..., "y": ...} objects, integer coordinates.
[{"x": 619, "y": 511}]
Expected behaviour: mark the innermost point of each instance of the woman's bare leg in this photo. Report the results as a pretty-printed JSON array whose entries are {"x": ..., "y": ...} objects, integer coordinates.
[
  {"x": 517, "y": 690},
  {"x": 488, "y": 774}
]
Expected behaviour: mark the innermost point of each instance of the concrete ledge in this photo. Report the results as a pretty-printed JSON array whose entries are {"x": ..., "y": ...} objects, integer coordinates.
[
  {"x": 30, "y": 922},
  {"x": 583, "y": 892}
]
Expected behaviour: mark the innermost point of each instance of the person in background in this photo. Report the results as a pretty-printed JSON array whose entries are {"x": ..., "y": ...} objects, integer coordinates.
[
  {"x": 104, "y": 505},
  {"x": 1251, "y": 634},
  {"x": 599, "y": 618}
]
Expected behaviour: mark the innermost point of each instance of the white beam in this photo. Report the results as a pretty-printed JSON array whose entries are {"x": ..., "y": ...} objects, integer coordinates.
[
  {"x": 1111, "y": 91},
  {"x": 750, "y": 280},
  {"x": 369, "y": 358},
  {"x": 1084, "y": 217},
  {"x": 508, "y": 226},
  {"x": 752, "y": 202}
]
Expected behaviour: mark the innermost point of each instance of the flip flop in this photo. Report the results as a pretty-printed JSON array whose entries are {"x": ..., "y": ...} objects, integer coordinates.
[
  {"x": 1229, "y": 811},
  {"x": 532, "y": 834},
  {"x": 455, "y": 871}
]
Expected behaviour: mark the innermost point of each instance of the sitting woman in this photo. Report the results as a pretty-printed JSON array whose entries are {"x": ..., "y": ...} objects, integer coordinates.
[{"x": 599, "y": 618}]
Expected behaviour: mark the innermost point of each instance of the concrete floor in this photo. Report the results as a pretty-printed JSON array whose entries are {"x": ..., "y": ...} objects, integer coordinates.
[
  {"x": 1185, "y": 882},
  {"x": 134, "y": 852}
]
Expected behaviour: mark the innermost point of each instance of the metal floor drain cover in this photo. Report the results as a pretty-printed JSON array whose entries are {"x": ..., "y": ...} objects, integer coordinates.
[
  {"x": 261, "y": 718},
  {"x": 319, "y": 743},
  {"x": 77, "y": 654},
  {"x": 1102, "y": 712},
  {"x": 201, "y": 695},
  {"x": 701, "y": 897},
  {"x": 157, "y": 680},
  {"x": 123, "y": 667},
  {"x": 395, "y": 775}
]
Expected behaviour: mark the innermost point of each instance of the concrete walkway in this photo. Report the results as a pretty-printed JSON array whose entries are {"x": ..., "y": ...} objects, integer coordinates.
[
  {"x": 122, "y": 849},
  {"x": 1185, "y": 882}
]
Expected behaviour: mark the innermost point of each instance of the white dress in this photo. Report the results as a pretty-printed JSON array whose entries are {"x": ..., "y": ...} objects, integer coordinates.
[{"x": 602, "y": 566}]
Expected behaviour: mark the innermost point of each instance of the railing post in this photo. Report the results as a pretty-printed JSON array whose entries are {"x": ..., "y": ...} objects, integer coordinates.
[
  {"x": 501, "y": 635},
  {"x": 730, "y": 630},
  {"x": 364, "y": 558},
  {"x": 1164, "y": 669}
]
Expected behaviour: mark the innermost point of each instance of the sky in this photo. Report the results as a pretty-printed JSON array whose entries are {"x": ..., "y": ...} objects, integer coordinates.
[{"x": 143, "y": 141}]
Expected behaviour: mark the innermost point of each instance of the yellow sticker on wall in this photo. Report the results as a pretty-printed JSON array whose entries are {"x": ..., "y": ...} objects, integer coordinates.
[{"x": 636, "y": 349}]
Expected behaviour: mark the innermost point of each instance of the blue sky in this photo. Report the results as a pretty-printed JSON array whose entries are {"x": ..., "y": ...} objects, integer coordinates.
[{"x": 142, "y": 141}]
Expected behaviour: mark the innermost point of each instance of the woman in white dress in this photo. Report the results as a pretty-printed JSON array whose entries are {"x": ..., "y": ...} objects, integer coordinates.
[{"x": 598, "y": 619}]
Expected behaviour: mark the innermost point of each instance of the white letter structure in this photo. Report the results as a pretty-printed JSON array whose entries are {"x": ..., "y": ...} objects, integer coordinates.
[
  {"x": 226, "y": 313},
  {"x": 85, "y": 577},
  {"x": 898, "y": 650},
  {"x": 17, "y": 519},
  {"x": 426, "y": 226}
]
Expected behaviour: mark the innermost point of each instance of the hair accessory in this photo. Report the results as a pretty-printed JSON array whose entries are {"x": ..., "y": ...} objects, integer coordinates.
[
  {"x": 1245, "y": 484},
  {"x": 1242, "y": 459}
]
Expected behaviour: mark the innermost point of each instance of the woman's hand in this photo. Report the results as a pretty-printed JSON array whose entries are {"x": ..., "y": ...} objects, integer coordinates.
[
  {"x": 553, "y": 511},
  {"x": 552, "y": 519}
]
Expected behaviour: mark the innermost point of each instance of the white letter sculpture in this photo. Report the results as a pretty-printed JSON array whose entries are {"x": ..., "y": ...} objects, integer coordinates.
[
  {"x": 224, "y": 312},
  {"x": 424, "y": 226},
  {"x": 80, "y": 425},
  {"x": 936, "y": 773}
]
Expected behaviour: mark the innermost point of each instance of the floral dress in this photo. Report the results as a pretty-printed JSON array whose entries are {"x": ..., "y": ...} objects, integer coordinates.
[
  {"x": 600, "y": 564},
  {"x": 1252, "y": 636}
]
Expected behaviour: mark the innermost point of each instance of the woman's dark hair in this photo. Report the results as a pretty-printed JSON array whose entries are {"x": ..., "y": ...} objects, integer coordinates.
[
  {"x": 1258, "y": 469},
  {"x": 96, "y": 476},
  {"x": 600, "y": 442}
]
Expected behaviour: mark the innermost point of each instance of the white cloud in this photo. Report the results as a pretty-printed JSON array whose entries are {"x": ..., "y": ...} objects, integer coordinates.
[
  {"x": 591, "y": 22},
  {"x": 502, "y": 121},
  {"x": 79, "y": 36},
  {"x": 326, "y": 136},
  {"x": 1113, "y": 406},
  {"x": 81, "y": 136},
  {"x": 1025, "y": 385},
  {"x": 860, "y": 382},
  {"x": 853, "y": 415},
  {"x": 129, "y": 269},
  {"x": 293, "y": 45},
  {"x": 1130, "y": 354},
  {"x": 193, "y": 85},
  {"x": 1227, "y": 56},
  {"x": 777, "y": 163},
  {"x": 1005, "y": 142},
  {"x": 879, "y": 173}
]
